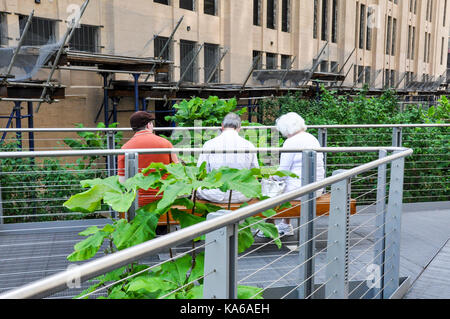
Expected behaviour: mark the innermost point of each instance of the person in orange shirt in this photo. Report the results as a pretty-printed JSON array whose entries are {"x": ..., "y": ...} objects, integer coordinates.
[{"x": 142, "y": 123}]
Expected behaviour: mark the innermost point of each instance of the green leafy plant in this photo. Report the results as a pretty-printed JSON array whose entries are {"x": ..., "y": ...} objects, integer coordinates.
[{"x": 175, "y": 181}]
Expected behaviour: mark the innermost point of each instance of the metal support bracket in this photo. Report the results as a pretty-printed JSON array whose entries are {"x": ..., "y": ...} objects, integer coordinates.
[
  {"x": 337, "y": 244},
  {"x": 306, "y": 229},
  {"x": 393, "y": 228},
  {"x": 131, "y": 169},
  {"x": 220, "y": 280}
]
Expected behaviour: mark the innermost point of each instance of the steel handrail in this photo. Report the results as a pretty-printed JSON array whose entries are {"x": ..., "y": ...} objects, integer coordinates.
[
  {"x": 107, "y": 152},
  {"x": 217, "y": 128},
  {"x": 92, "y": 269}
]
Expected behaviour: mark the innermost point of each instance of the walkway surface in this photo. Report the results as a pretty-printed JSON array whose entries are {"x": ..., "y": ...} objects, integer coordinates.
[{"x": 32, "y": 251}]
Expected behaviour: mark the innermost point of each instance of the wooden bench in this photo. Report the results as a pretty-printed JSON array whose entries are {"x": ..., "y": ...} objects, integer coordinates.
[{"x": 322, "y": 208}]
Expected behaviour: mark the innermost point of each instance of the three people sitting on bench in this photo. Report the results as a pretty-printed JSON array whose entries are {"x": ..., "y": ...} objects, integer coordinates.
[{"x": 292, "y": 126}]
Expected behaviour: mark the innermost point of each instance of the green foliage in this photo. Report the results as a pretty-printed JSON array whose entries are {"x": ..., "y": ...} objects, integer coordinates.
[
  {"x": 430, "y": 145},
  {"x": 210, "y": 111},
  {"x": 36, "y": 188},
  {"x": 178, "y": 181}
]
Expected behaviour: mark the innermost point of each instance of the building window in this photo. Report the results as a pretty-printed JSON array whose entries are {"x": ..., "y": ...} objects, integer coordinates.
[
  {"x": 41, "y": 31},
  {"x": 187, "y": 4},
  {"x": 408, "y": 54},
  {"x": 323, "y": 66},
  {"x": 187, "y": 67},
  {"x": 285, "y": 62},
  {"x": 271, "y": 61},
  {"x": 362, "y": 26},
  {"x": 315, "y": 22},
  {"x": 367, "y": 71},
  {"x": 360, "y": 74},
  {"x": 212, "y": 58},
  {"x": 442, "y": 50},
  {"x": 271, "y": 14},
  {"x": 445, "y": 13},
  {"x": 3, "y": 29},
  {"x": 210, "y": 7},
  {"x": 334, "y": 22},
  {"x": 388, "y": 37},
  {"x": 324, "y": 20},
  {"x": 394, "y": 33},
  {"x": 285, "y": 16},
  {"x": 370, "y": 12},
  {"x": 257, "y": 58},
  {"x": 257, "y": 12},
  {"x": 160, "y": 45},
  {"x": 334, "y": 67},
  {"x": 428, "y": 47},
  {"x": 85, "y": 38},
  {"x": 166, "y": 2},
  {"x": 413, "y": 43}
]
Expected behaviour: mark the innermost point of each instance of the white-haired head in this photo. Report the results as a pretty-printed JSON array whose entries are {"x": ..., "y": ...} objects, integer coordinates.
[
  {"x": 232, "y": 120},
  {"x": 290, "y": 124}
]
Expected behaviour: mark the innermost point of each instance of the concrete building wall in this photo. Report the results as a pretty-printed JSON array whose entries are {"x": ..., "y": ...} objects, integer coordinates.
[{"x": 127, "y": 27}]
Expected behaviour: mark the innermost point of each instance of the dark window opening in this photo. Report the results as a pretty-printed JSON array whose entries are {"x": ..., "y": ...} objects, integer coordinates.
[
  {"x": 211, "y": 67},
  {"x": 362, "y": 26},
  {"x": 160, "y": 45},
  {"x": 324, "y": 66},
  {"x": 324, "y": 20},
  {"x": 334, "y": 22},
  {"x": 370, "y": 13},
  {"x": 85, "y": 38},
  {"x": 256, "y": 12},
  {"x": 271, "y": 61},
  {"x": 285, "y": 62},
  {"x": 257, "y": 60},
  {"x": 271, "y": 14},
  {"x": 3, "y": 30},
  {"x": 316, "y": 4},
  {"x": 187, "y": 4},
  {"x": 166, "y": 2},
  {"x": 188, "y": 66},
  {"x": 209, "y": 7},
  {"x": 388, "y": 37},
  {"x": 41, "y": 31},
  {"x": 285, "y": 16}
]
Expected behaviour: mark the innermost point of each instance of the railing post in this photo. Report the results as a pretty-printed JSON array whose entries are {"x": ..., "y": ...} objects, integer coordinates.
[
  {"x": 111, "y": 162},
  {"x": 323, "y": 138},
  {"x": 338, "y": 241},
  {"x": 397, "y": 136},
  {"x": 1, "y": 206},
  {"x": 380, "y": 222},
  {"x": 131, "y": 169},
  {"x": 221, "y": 252},
  {"x": 306, "y": 229},
  {"x": 391, "y": 271}
]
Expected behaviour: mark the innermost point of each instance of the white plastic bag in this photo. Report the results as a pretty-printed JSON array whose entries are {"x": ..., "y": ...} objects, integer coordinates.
[{"x": 272, "y": 188}]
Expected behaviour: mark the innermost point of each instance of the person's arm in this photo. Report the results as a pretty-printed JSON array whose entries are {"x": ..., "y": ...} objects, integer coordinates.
[
  {"x": 121, "y": 168},
  {"x": 174, "y": 158}
]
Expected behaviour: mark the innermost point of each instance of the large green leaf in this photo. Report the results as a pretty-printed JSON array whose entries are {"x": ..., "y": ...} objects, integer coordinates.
[
  {"x": 88, "y": 201},
  {"x": 139, "y": 230},
  {"x": 176, "y": 271},
  {"x": 268, "y": 229},
  {"x": 87, "y": 248},
  {"x": 245, "y": 239},
  {"x": 119, "y": 201},
  {"x": 240, "y": 180},
  {"x": 172, "y": 192}
]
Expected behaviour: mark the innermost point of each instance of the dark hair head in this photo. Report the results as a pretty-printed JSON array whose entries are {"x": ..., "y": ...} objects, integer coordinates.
[{"x": 140, "y": 119}]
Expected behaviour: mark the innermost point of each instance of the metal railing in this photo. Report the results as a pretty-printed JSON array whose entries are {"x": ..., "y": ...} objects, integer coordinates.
[
  {"x": 48, "y": 185},
  {"x": 331, "y": 258}
]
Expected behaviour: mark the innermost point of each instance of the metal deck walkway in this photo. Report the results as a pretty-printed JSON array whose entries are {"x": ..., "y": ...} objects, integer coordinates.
[{"x": 425, "y": 253}]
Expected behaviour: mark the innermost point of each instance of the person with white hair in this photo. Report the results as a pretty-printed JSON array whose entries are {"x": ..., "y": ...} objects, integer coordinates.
[
  {"x": 292, "y": 126},
  {"x": 229, "y": 139}
]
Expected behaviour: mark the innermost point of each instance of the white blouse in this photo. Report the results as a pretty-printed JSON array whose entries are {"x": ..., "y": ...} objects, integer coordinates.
[{"x": 293, "y": 161}]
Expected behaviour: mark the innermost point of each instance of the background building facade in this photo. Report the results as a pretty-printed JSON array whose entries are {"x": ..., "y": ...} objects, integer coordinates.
[{"x": 380, "y": 42}]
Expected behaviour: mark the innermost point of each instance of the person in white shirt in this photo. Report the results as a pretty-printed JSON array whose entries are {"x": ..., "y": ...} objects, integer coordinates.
[
  {"x": 229, "y": 139},
  {"x": 293, "y": 127}
]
